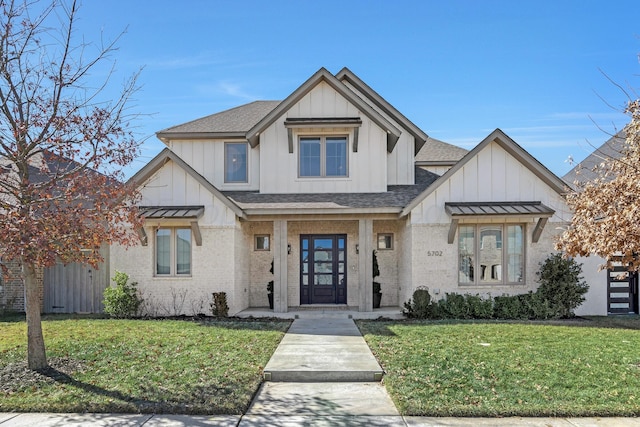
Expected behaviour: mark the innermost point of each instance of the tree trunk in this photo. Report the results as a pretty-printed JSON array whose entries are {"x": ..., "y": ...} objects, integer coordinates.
[{"x": 36, "y": 355}]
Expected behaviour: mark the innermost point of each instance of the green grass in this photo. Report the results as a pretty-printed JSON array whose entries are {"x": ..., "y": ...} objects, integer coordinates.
[
  {"x": 578, "y": 368},
  {"x": 161, "y": 366}
]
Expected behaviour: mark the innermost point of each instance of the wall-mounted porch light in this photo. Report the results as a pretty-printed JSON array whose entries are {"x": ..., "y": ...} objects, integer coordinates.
[
  {"x": 357, "y": 248},
  {"x": 289, "y": 249}
]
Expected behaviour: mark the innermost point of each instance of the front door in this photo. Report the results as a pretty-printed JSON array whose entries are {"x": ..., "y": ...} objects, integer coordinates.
[
  {"x": 323, "y": 271},
  {"x": 622, "y": 291}
]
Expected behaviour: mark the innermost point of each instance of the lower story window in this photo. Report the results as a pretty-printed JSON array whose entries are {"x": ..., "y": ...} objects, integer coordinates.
[
  {"x": 173, "y": 251},
  {"x": 486, "y": 257}
]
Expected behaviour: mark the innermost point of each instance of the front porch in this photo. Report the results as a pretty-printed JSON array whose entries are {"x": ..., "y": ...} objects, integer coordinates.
[{"x": 322, "y": 264}]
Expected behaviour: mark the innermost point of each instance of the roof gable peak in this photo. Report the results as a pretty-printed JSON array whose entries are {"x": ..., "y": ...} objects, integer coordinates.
[
  {"x": 513, "y": 149},
  {"x": 323, "y": 75}
]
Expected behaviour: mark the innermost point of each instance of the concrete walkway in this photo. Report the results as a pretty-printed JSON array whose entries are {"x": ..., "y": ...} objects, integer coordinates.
[{"x": 323, "y": 350}]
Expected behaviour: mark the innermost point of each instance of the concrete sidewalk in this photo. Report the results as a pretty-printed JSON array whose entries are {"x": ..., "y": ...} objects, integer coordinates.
[{"x": 148, "y": 420}]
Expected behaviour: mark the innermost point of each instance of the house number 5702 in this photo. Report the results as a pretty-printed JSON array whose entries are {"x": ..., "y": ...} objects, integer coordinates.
[{"x": 434, "y": 253}]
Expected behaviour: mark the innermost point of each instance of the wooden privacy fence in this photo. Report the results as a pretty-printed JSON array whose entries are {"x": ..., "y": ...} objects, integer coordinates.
[{"x": 74, "y": 288}]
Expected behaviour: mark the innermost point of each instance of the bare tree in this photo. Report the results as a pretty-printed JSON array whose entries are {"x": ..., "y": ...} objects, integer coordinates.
[{"x": 61, "y": 150}]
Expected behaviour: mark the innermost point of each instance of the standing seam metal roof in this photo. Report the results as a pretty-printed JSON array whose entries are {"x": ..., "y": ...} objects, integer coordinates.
[{"x": 498, "y": 208}]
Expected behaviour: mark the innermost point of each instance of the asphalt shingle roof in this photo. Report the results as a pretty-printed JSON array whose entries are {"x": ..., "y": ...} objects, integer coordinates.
[
  {"x": 584, "y": 171},
  {"x": 439, "y": 151},
  {"x": 396, "y": 196},
  {"x": 238, "y": 119}
]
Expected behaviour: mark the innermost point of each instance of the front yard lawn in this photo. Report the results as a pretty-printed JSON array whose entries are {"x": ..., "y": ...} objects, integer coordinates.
[
  {"x": 159, "y": 366},
  {"x": 574, "y": 368}
]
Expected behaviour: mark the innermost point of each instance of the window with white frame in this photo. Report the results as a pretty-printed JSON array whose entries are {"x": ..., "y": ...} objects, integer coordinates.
[
  {"x": 486, "y": 257},
  {"x": 173, "y": 251},
  {"x": 235, "y": 162},
  {"x": 323, "y": 156}
]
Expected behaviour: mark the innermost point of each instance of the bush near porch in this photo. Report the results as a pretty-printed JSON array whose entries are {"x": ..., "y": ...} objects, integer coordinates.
[
  {"x": 580, "y": 367},
  {"x": 201, "y": 366}
]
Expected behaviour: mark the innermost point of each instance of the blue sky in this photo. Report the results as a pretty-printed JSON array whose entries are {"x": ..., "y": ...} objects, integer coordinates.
[{"x": 457, "y": 69}]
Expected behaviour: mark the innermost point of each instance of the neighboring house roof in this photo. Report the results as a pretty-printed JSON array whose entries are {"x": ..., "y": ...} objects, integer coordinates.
[
  {"x": 167, "y": 155},
  {"x": 436, "y": 152},
  {"x": 510, "y": 146},
  {"x": 322, "y": 75},
  {"x": 393, "y": 200},
  {"x": 586, "y": 169},
  {"x": 234, "y": 122},
  {"x": 420, "y": 137}
]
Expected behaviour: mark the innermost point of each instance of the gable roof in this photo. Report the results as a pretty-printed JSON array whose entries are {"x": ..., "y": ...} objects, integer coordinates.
[
  {"x": 322, "y": 75},
  {"x": 167, "y": 155},
  {"x": 420, "y": 137},
  {"x": 435, "y": 151},
  {"x": 584, "y": 170},
  {"x": 234, "y": 123},
  {"x": 511, "y": 147}
]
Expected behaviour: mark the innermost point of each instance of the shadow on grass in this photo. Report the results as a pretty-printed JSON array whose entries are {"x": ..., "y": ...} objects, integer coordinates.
[{"x": 195, "y": 401}]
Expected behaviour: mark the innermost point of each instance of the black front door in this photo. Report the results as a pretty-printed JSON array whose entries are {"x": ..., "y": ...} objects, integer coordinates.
[
  {"x": 323, "y": 271},
  {"x": 622, "y": 291}
]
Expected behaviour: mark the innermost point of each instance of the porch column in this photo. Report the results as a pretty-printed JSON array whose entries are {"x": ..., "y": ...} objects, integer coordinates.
[
  {"x": 280, "y": 254},
  {"x": 365, "y": 265}
]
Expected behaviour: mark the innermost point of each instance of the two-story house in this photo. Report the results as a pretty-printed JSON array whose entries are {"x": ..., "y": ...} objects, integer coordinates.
[{"x": 315, "y": 183}]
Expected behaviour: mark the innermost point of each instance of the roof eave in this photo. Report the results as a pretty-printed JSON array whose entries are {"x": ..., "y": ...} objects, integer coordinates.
[
  {"x": 169, "y": 136},
  {"x": 320, "y": 211}
]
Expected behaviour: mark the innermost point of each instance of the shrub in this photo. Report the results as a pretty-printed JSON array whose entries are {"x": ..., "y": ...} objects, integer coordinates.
[
  {"x": 454, "y": 306},
  {"x": 219, "y": 307},
  {"x": 561, "y": 284},
  {"x": 508, "y": 307},
  {"x": 480, "y": 308},
  {"x": 420, "y": 306},
  {"x": 122, "y": 300}
]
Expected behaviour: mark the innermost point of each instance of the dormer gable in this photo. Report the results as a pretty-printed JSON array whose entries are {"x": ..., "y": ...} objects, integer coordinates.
[{"x": 324, "y": 76}]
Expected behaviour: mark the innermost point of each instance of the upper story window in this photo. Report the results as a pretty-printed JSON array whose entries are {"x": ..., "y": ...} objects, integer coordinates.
[
  {"x": 323, "y": 156},
  {"x": 235, "y": 162}
]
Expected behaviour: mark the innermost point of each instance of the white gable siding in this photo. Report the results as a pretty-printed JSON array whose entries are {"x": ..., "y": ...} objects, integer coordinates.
[
  {"x": 207, "y": 158},
  {"x": 172, "y": 186},
  {"x": 367, "y": 168},
  {"x": 400, "y": 169},
  {"x": 493, "y": 175}
]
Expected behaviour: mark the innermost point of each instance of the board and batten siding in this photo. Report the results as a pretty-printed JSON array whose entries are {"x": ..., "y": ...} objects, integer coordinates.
[
  {"x": 492, "y": 175},
  {"x": 173, "y": 186},
  {"x": 400, "y": 169},
  {"x": 207, "y": 158},
  {"x": 367, "y": 167}
]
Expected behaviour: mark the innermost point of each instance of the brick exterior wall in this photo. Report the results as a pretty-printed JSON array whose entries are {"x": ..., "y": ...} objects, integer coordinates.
[
  {"x": 12, "y": 287},
  {"x": 213, "y": 269},
  {"x": 440, "y": 273}
]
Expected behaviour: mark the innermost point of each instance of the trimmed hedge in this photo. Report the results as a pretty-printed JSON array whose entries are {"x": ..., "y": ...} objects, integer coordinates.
[{"x": 561, "y": 290}]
